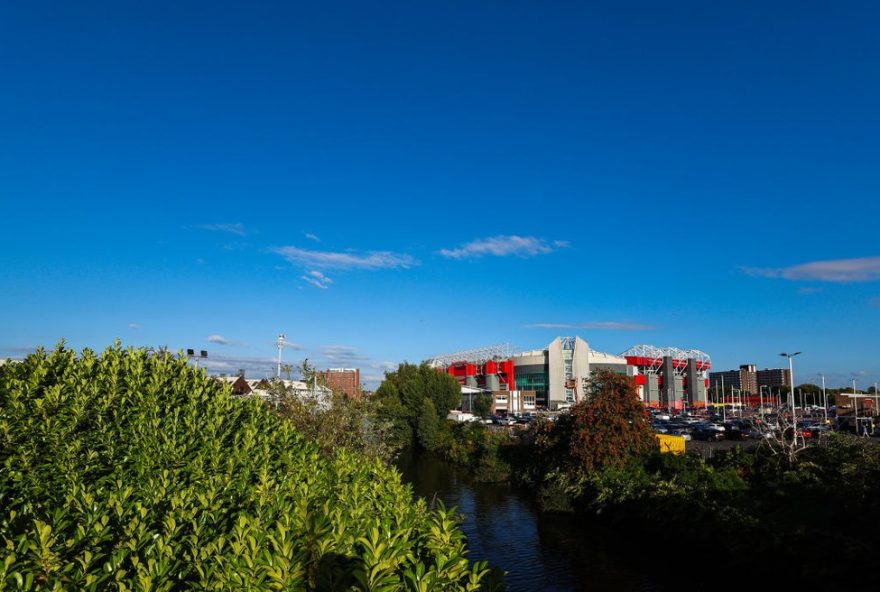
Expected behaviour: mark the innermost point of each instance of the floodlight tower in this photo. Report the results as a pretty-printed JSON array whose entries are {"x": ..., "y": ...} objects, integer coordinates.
[
  {"x": 280, "y": 348},
  {"x": 191, "y": 354}
]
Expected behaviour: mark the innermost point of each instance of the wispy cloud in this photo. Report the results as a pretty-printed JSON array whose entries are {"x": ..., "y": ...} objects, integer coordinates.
[
  {"x": 502, "y": 246},
  {"x": 317, "y": 279},
  {"x": 345, "y": 260},
  {"x": 312, "y": 237},
  {"x": 287, "y": 345},
  {"x": 342, "y": 354},
  {"x": 220, "y": 340},
  {"x": 134, "y": 326},
  {"x": 237, "y": 228},
  {"x": 864, "y": 269},
  {"x": 384, "y": 366},
  {"x": 596, "y": 325}
]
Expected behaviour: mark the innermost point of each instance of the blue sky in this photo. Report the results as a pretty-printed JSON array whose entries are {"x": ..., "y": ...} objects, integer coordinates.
[{"x": 387, "y": 181}]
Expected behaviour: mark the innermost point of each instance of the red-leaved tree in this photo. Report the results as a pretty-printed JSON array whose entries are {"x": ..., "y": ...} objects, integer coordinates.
[{"x": 610, "y": 426}]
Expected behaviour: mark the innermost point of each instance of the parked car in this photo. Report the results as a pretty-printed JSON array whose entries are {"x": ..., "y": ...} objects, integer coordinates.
[
  {"x": 684, "y": 433},
  {"x": 704, "y": 432}
]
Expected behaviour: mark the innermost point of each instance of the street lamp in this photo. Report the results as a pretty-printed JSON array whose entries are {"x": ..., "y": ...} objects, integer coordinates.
[{"x": 791, "y": 390}]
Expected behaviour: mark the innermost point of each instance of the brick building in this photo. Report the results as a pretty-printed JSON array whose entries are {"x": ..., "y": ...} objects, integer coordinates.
[{"x": 345, "y": 380}]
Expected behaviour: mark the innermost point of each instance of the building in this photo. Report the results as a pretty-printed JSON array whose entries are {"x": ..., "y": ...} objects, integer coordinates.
[
  {"x": 745, "y": 379},
  {"x": 486, "y": 370},
  {"x": 558, "y": 375},
  {"x": 669, "y": 377},
  {"x": 773, "y": 377},
  {"x": 345, "y": 380}
]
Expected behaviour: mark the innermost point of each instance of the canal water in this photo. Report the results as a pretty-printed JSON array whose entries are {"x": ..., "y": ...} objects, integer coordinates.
[{"x": 539, "y": 551}]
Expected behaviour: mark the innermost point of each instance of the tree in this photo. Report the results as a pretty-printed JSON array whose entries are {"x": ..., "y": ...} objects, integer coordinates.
[
  {"x": 428, "y": 427},
  {"x": 610, "y": 426},
  {"x": 483, "y": 405},
  {"x": 403, "y": 391}
]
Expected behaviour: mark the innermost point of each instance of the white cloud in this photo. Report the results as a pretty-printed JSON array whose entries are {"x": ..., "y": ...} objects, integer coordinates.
[
  {"x": 317, "y": 279},
  {"x": 342, "y": 354},
  {"x": 596, "y": 325},
  {"x": 312, "y": 237},
  {"x": 345, "y": 260},
  {"x": 134, "y": 326},
  {"x": 220, "y": 340},
  {"x": 237, "y": 228},
  {"x": 864, "y": 269},
  {"x": 502, "y": 246}
]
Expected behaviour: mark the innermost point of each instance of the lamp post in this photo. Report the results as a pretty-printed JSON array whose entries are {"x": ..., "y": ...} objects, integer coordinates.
[
  {"x": 791, "y": 391},
  {"x": 855, "y": 406},
  {"x": 280, "y": 347},
  {"x": 874, "y": 408}
]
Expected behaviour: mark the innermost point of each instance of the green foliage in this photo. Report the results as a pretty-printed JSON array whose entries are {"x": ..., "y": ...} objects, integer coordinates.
[
  {"x": 402, "y": 394},
  {"x": 483, "y": 405},
  {"x": 353, "y": 424},
  {"x": 427, "y": 428},
  {"x": 483, "y": 451},
  {"x": 131, "y": 471}
]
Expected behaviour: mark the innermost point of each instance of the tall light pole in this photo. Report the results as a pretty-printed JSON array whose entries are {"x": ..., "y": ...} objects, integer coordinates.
[
  {"x": 855, "y": 406},
  {"x": 824, "y": 398},
  {"x": 280, "y": 348},
  {"x": 874, "y": 408},
  {"x": 791, "y": 391}
]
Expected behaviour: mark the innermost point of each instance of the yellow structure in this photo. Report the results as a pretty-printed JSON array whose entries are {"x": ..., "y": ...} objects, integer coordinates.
[{"x": 673, "y": 444}]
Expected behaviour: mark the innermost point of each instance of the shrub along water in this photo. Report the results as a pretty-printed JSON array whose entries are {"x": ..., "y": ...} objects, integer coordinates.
[{"x": 133, "y": 471}]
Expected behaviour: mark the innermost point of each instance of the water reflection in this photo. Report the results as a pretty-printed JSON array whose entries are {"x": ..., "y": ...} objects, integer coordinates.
[{"x": 547, "y": 552}]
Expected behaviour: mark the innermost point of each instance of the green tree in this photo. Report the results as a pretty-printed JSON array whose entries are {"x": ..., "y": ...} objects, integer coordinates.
[
  {"x": 483, "y": 405},
  {"x": 403, "y": 391},
  {"x": 428, "y": 427}
]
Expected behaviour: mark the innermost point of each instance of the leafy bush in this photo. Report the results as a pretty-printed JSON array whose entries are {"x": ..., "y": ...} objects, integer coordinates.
[{"x": 132, "y": 471}]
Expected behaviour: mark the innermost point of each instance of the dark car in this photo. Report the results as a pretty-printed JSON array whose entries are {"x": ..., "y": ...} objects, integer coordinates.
[
  {"x": 734, "y": 430},
  {"x": 702, "y": 432}
]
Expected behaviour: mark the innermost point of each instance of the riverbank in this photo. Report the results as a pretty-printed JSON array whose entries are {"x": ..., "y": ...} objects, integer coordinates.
[{"x": 746, "y": 511}]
